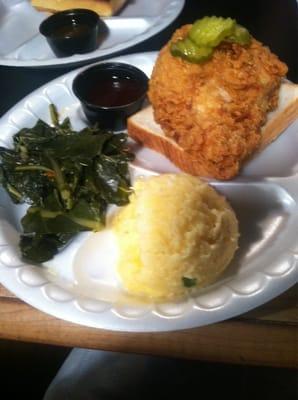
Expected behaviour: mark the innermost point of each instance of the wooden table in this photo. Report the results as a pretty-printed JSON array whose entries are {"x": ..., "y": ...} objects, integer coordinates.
[{"x": 266, "y": 336}]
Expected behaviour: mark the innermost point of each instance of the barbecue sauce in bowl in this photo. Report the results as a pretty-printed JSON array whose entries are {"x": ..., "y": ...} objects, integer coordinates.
[
  {"x": 110, "y": 93},
  {"x": 71, "y": 31},
  {"x": 114, "y": 91},
  {"x": 75, "y": 31}
]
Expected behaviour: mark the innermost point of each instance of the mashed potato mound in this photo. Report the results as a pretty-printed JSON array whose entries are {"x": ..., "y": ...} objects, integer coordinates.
[{"x": 176, "y": 234}]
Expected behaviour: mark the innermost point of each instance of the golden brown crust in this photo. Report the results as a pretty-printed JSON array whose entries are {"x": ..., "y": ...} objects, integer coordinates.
[
  {"x": 144, "y": 129},
  {"x": 215, "y": 110},
  {"x": 179, "y": 157}
]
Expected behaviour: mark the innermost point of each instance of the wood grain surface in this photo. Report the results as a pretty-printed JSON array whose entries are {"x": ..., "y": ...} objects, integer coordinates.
[{"x": 265, "y": 336}]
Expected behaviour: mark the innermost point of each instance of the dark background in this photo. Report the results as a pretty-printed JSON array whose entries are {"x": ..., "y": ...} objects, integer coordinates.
[
  {"x": 27, "y": 369},
  {"x": 273, "y": 22}
]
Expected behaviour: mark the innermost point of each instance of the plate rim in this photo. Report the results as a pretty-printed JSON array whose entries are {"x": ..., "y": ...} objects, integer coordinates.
[
  {"x": 149, "y": 322},
  {"x": 91, "y": 57}
]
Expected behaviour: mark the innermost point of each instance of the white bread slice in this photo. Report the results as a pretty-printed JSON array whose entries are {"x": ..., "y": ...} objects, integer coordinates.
[
  {"x": 282, "y": 117},
  {"x": 143, "y": 128},
  {"x": 104, "y": 8}
]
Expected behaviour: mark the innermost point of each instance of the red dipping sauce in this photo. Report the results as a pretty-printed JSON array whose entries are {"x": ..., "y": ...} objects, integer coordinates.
[
  {"x": 114, "y": 91},
  {"x": 110, "y": 92}
]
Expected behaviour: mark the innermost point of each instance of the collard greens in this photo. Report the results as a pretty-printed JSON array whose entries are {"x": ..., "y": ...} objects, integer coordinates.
[{"x": 67, "y": 177}]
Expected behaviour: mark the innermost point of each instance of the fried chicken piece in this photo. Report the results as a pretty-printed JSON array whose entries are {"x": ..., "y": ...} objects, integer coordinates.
[{"x": 216, "y": 109}]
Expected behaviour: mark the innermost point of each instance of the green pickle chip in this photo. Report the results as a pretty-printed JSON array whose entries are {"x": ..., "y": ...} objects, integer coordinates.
[
  {"x": 210, "y": 31},
  {"x": 240, "y": 36},
  {"x": 205, "y": 35},
  {"x": 190, "y": 51}
]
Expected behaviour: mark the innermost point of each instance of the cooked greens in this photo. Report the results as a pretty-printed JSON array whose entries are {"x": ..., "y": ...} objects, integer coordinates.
[
  {"x": 188, "y": 282},
  {"x": 67, "y": 177}
]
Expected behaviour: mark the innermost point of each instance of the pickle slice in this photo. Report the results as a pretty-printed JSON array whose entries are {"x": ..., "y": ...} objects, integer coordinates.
[
  {"x": 189, "y": 51},
  {"x": 210, "y": 31},
  {"x": 240, "y": 36}
]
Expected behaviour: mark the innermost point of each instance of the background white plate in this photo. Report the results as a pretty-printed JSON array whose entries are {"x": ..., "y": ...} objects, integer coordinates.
[
  {"x": 22, "y": 45},
  {"x": 264, "y": 197}
]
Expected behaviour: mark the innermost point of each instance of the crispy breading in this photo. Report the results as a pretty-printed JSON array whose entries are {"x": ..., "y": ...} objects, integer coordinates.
[{"x": 217, "y": 108}]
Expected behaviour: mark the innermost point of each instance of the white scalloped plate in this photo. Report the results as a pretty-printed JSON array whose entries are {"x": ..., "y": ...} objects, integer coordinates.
[
  {"x": 24, "y": 46},
  {"x": 264, "y": 197}
]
